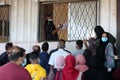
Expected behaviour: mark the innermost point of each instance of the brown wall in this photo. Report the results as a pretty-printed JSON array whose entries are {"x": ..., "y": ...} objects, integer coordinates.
[{"x": 61, "y": 16}]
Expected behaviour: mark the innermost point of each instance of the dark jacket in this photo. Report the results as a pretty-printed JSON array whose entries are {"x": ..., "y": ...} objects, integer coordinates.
[
  {"x": 4, "y": 58},
  {"x": 49, "y": 28}
]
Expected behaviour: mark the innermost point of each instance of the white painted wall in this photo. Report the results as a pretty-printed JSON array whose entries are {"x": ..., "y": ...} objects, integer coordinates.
[
  {"x": 24, "y": 22},
  {"x": 108, "y": 16}
]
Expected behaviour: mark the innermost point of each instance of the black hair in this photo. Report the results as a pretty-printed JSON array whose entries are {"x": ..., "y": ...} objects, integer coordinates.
[
  {"x": 8, "y": 45},
  {"x": 33, "y": 56},
  {"x": 62, "y": 40},
  {"x": 88, "y": 55},
  {"x": 15, "y": 55},
  {"x": 49, "y": 14},
  {"x": 79, "y": 43},
  {"x": 22, "y": 49},
  {"x": 45, "y": 46},
  {"x": 99, "y": 31},
  {"x": 38, "y": 50}
]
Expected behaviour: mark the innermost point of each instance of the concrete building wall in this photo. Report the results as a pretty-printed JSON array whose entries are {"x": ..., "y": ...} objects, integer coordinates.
[{"x": 108, "y": 16}]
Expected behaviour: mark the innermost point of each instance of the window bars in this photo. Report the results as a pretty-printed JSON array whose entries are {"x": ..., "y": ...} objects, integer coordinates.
[
  {"x": 4, "y": 23},
  {"x": 78, "y": 19}
]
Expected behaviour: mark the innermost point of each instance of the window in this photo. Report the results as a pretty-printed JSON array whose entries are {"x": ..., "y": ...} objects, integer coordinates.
[
  {"x": 4, "y": 23},
  {"x": 78, "y": 18}
]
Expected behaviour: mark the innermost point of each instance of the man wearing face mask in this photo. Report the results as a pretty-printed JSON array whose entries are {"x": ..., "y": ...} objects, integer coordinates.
[
  {"x": 50, "y": 29},
  {"x": 13, "y": 70}
]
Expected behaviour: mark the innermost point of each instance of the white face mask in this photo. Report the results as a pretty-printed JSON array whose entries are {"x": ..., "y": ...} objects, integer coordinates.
[{"x": 50, "y": 20}]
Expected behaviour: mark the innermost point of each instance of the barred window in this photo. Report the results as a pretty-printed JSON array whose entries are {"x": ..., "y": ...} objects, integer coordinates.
[
  {"x": 78, "y": 19},
  {"x": 4, "y": 23}
]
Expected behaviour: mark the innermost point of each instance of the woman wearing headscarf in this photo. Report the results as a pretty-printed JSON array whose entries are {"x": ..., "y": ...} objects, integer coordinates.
[
  {"x": 107, "y": 47},
  {"x": 60, "y": 62},
  {"x": 81, "y": 66},
  {"x": 97, "y": 71},
  {"x": 88, "y": 56},
  {"x": 104, "y": 59},
  {"x": 69, "y": 71},
  {"x": 92, "y": 45},
  {"x": 99, "y": 31}
]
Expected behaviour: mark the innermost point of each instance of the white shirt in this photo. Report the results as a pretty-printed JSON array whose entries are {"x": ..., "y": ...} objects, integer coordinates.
[{"x": 54, "y": 55}]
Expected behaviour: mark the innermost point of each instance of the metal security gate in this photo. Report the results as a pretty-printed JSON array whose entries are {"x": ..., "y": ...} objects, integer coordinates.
[
  {"x": 78, "y": 18},
  {"x": 4, "y": 23}
]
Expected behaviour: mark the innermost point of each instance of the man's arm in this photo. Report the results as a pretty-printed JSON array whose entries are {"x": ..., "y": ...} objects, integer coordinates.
[
  {"x": 57, "y": 29},
  {"x": 51, "y": 68},
  {"x": 51, "y": 74}
]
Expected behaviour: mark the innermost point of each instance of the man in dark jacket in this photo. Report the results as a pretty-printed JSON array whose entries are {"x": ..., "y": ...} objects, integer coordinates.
[
  {"x": 4, "y": 56},
  {"x": 50, "y": 29}
]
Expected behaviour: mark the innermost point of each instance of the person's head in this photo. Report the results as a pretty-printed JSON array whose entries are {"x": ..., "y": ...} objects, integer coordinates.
[
  {"x": 91, "y": 41},
  {"x": 9, "y": 47},
  {"x": 16, "y": 56},
  {"x": 92, "y": 45},
  {"x": 80, "y": 59},
  {"x": 104, "y": 37},
  {"x": 22, "y": 50},
  {"x": 60, "y": 62},
  {"x": 79, "y": 44},
  {"x": 34, "y": 58},
  {"x": 99, "y": 31},
  {"x": 45, "y": 46},
  {"x": 80, "y": 63},
  {"x": 70, "y": 62},
  {"x": 49, "y": 17},
  {"x": 36, "y": 48},
  {"x": 61, "y": 43}
]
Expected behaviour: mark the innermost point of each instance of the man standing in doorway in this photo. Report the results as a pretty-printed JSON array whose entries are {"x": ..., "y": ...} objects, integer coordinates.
[{"x": 50, "y": 29}]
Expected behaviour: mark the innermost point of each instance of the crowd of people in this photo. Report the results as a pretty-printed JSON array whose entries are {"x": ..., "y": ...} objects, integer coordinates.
[{"x": 96, "y": 62}]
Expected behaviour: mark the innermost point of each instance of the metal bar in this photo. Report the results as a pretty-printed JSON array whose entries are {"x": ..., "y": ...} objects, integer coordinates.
[{"x": 63, "y": 1}]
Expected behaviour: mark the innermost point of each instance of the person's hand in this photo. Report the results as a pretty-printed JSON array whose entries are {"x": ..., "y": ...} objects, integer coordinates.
[
  {"x": 85, "y": 41},
  {"x": 51, "y": 75},
  {"x": 59, "y": 26}
]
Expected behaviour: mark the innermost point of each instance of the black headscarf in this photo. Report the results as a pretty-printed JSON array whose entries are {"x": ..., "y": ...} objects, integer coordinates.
[
  {"x": 103, "y": 44},
  {"x": 99, "y": 31},
  {"x": 88, "y": 55},
  {"x": 100, "y": 53}
]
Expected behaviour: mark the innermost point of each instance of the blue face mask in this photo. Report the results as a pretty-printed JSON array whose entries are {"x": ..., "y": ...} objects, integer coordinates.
[
  {"x": 104, "y": 39},
  {"x": 24, "y": 62}
]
